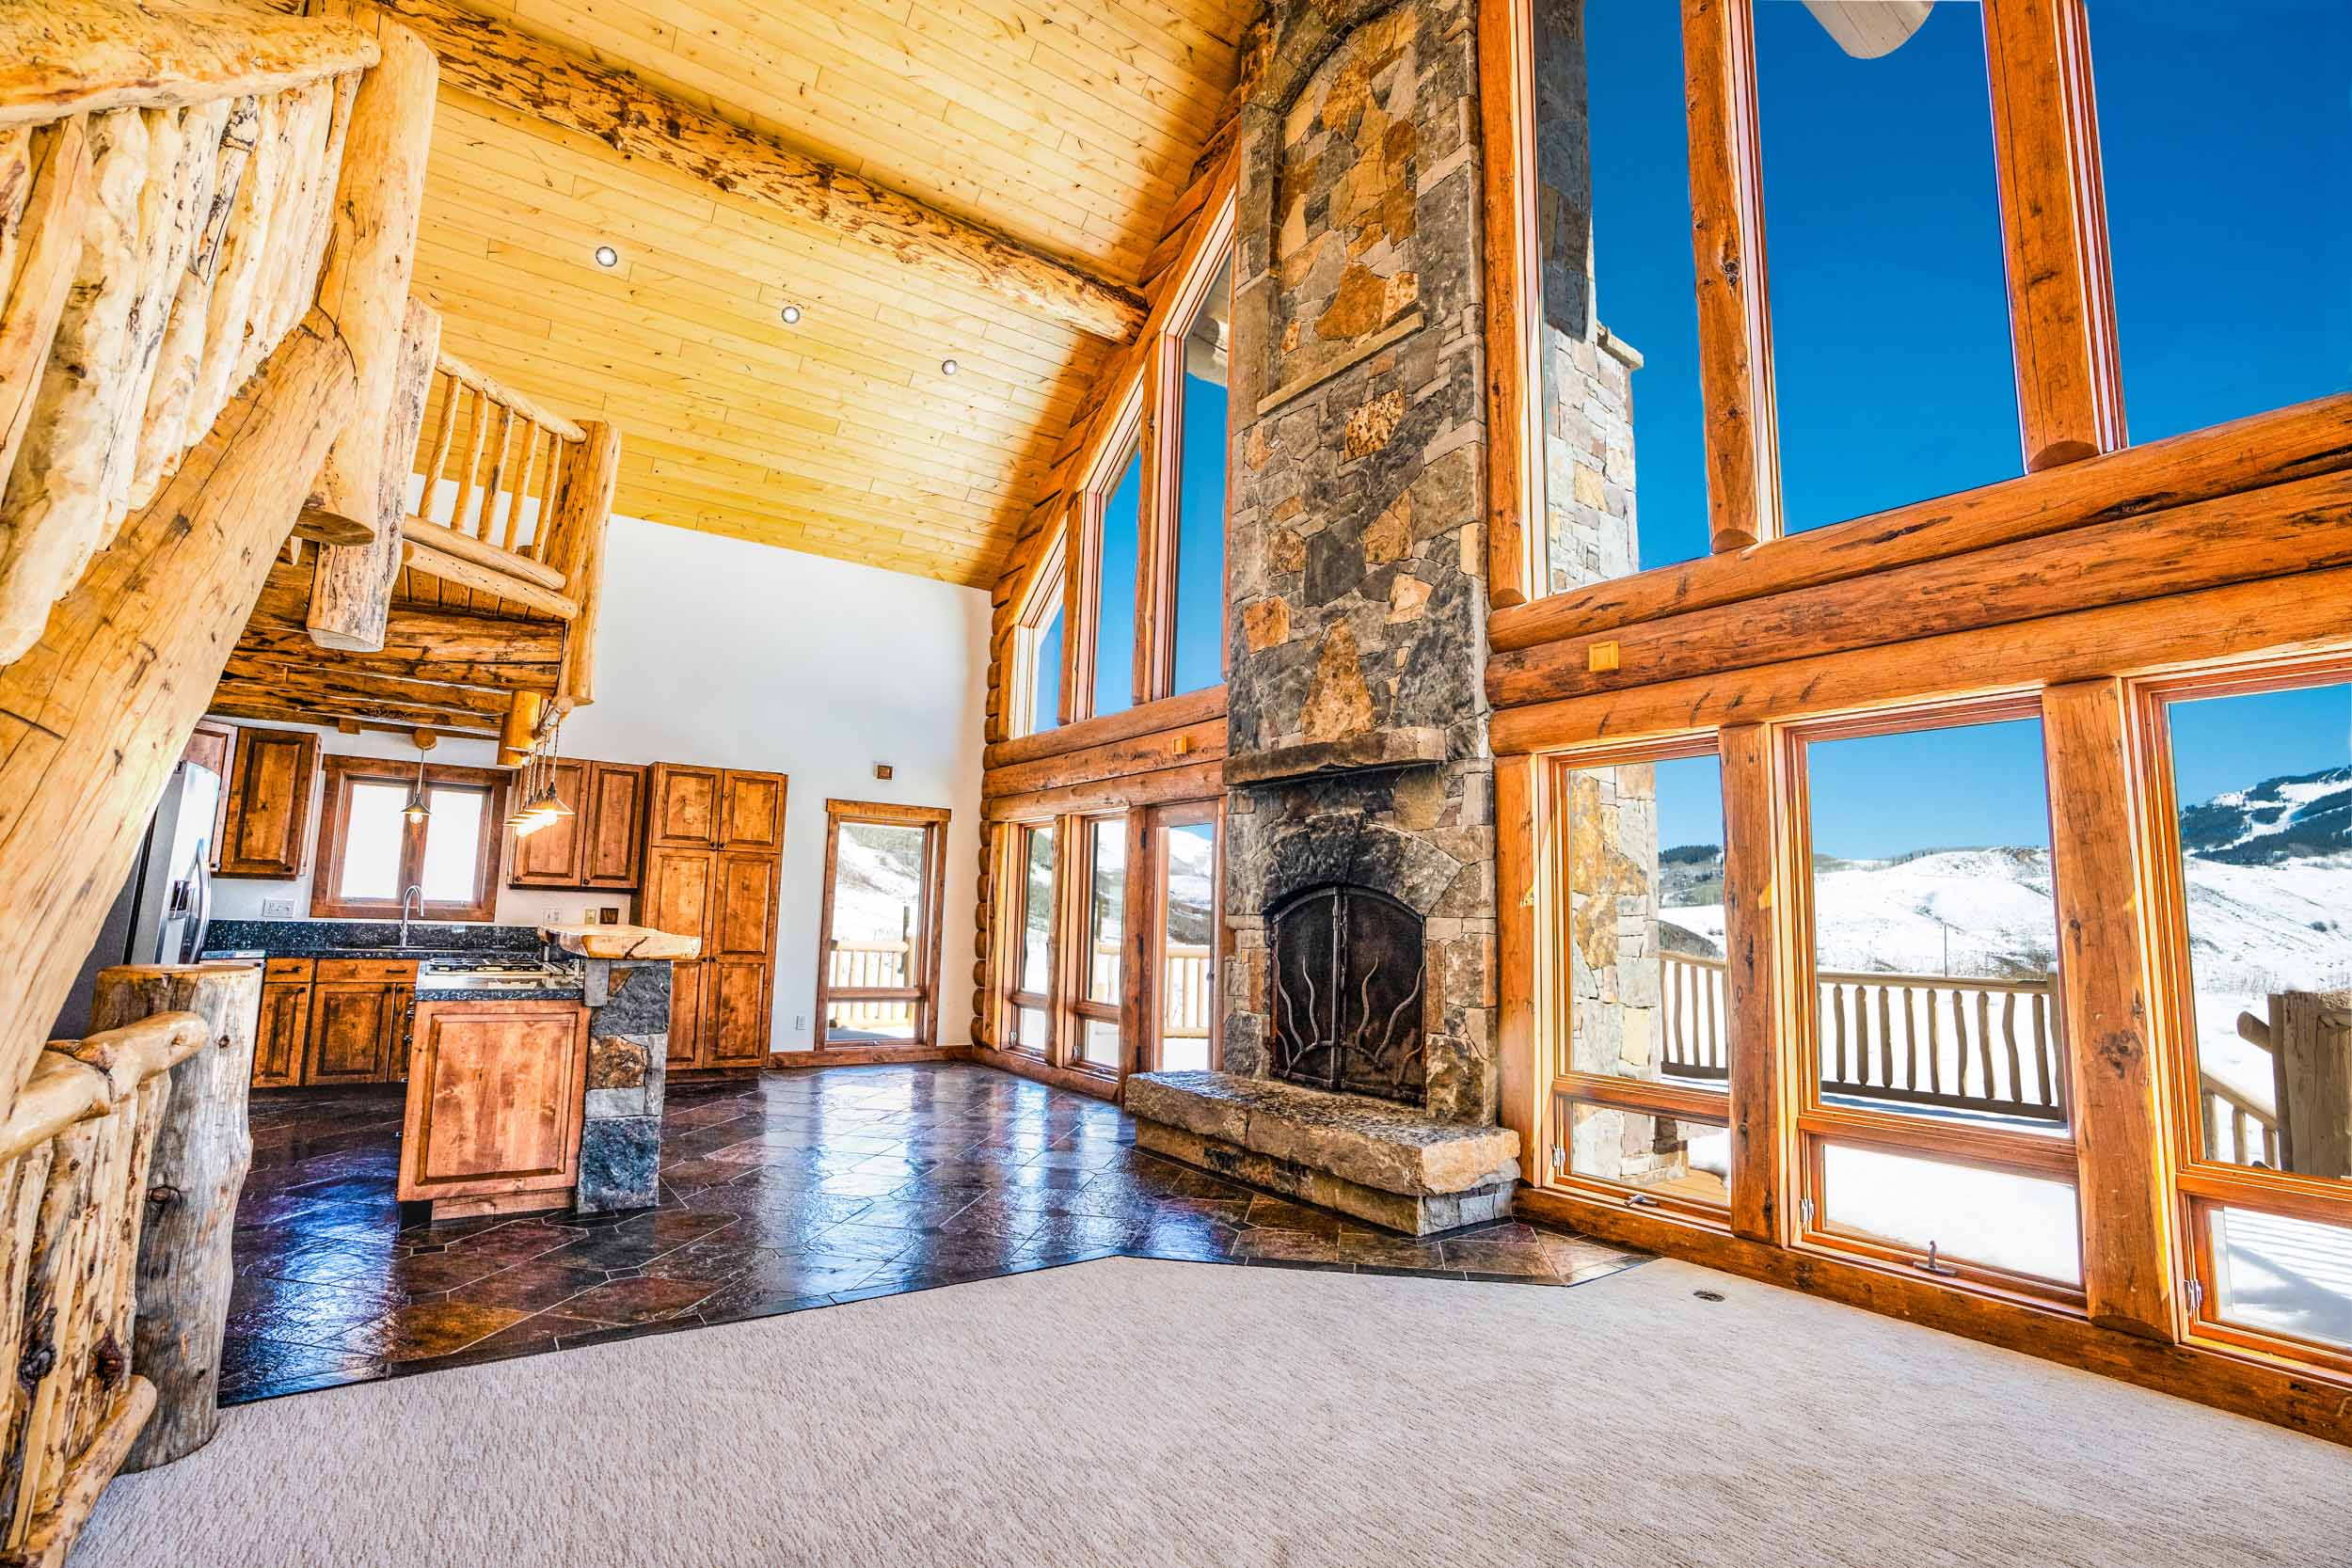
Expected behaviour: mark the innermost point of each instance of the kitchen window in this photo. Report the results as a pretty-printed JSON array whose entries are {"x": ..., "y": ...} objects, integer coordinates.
[{"x": 370, "y": 854}]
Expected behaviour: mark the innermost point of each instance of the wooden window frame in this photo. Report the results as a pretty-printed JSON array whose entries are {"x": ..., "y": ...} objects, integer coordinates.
[
  {"x": 1079, "y": 1006},
  {"x": 1164, "y": 473},
  {"x": 1045, "y": 600},
  {"x": 2201, "y": 1183},
  {"x": 1141, "y": 416},
  {"x": 1016, "y": 840},
  {"x": 1147, "y": 973},
  {"x": 1566, "y": 1087},
  {"x": 341, "y": 773},
  {"x": 1815, "y": 1122},
  {"x": 923, "y": 957},
  {"x": 2054, "y": 247},
  {"x": 1083, "y": 594}
]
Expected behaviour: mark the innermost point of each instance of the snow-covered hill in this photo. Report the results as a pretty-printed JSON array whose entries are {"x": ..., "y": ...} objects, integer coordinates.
[{"x": 2268, "y": 873}]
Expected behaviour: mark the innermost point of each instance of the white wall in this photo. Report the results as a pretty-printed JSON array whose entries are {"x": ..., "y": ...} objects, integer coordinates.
[{"x": 734, "y": 655}]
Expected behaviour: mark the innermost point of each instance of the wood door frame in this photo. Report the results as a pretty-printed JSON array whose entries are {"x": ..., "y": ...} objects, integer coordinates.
[
  {"x": 341, "y": 773},
  {"x": 1148, "y": 848},
  {"x": 923, "y": 956}
]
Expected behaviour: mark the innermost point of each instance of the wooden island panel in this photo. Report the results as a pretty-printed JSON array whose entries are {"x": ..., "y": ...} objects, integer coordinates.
[{"x": 494, "y": 1104}]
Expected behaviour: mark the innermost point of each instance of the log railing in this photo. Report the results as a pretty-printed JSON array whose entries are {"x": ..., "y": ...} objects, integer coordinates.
[
  {"x": 2238, "y": 1131},
  {"x": 74, "y": 1156},
  {"x": 852, "y": 967},
  {"x": 167, "y": 187},
  {"x": 1951, "y": 1041},
  {"x": 1186, "y": 991},
  {"x": 502, "y": 533}
]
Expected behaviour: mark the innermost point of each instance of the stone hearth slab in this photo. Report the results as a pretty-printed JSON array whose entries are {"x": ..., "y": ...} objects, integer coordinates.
[{"x": 1375, "y": 1153}]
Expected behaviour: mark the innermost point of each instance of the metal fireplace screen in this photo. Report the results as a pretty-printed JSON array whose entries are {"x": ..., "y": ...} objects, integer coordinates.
[{"x": 1349, "y": 976}]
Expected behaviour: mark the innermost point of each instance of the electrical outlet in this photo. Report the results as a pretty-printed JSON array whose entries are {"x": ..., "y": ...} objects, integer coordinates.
[
  {"x": 552, "y": 915},
  {"x": 278, "y": 908}
]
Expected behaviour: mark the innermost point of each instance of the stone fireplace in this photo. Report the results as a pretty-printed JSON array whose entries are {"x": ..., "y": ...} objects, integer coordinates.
[{"x": 1360, "y": 1066}]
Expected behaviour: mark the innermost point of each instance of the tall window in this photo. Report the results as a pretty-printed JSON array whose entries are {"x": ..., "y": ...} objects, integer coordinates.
[
  {"x": 1038, "y": 659},
  {"x": 370, "y": 854},
  {"x": 2240, "y": 104},
  {"x": 1938, "y": 1126},
  {"x": 1102, "y": 990},
  {"x": 2260, "y": 934},
  {"x": 878, "y": 976},
  {"x": 1031, "y": 994},
  {"x": 1890, "y": 300},
  {"x": 1640, "y": 1099},
  {"x": 1117, "y": 512},
  {"x": 1197, "y": 455}
]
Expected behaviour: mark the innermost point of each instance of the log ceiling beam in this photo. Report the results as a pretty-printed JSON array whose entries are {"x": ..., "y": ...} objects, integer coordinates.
[{"x": 517, "y": 71}]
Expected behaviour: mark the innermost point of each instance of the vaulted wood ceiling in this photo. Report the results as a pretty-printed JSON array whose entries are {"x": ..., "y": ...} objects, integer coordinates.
[{"x": 1064, "y": 125}]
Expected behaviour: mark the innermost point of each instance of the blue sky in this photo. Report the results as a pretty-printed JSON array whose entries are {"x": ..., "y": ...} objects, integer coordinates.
[{"x": 2226, "y": 137}]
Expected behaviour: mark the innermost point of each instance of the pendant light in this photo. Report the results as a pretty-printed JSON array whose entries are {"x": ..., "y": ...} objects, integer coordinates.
[{"x": 416, "y": 810}]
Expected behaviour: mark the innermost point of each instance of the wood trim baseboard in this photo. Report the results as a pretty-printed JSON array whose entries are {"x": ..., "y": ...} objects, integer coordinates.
[
  {"x": 2248, "y": 1384},
  {"x": 1045, "y": 1072},
  {"x": 864, "y": 1056}
]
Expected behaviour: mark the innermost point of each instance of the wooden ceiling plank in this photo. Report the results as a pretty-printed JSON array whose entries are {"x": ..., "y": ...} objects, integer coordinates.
[{"x": 499, "y": 62}]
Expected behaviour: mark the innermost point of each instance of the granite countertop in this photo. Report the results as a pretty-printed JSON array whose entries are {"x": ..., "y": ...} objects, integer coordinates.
[{"x": 473, "y": 987}]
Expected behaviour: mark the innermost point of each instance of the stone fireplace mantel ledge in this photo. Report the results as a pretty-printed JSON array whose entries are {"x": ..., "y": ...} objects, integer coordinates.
[
  {"x": 1393, "y": 1149},
  {"x": 1351, "y": 753}
]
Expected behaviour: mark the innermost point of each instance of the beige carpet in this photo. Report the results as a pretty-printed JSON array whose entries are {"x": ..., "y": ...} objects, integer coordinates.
[{"x": 1129, "y": 1413}]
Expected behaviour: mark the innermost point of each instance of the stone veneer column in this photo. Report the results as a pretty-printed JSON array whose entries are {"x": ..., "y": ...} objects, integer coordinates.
[
  {"x": 629, "y": 1048},
  {"x": 1357, "y": 553}
]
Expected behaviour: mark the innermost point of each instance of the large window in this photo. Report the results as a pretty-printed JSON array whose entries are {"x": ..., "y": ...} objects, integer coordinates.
[
  {"x": 1030, "y": 995},
  {"x": 878, "y": 976},
  {"x": 1937, "y": 1123},
  {"x": 372, "y": 852},
  {"x": 1640, "y": 1096},
  {"x": 1116, "y": 509},
  {"x": 1108, "y": 961},
  {"x": 1197, "y": 606},
  {"x": 2254, "y": 772}
]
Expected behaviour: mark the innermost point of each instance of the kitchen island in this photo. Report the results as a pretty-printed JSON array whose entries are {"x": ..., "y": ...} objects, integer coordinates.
[{"x": 542, "y": 1092}]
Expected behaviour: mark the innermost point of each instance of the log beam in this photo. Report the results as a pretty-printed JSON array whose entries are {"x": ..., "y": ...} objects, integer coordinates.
[
  {"x": 93, "y": 719},
  {"x": 351, "y": 591},
  {"x": 363, "y": 288},
  {"x": 69, "y": 57},
  {"x": 517, "y": 71}
]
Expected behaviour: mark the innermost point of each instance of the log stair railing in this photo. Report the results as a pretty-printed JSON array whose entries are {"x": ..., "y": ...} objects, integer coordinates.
[
  {"x": 74, "y": 1160},
  {"x": 167, "y": 188}
]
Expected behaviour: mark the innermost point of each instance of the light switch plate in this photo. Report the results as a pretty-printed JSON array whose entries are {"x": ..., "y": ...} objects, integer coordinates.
[{"x": 277, "y": 908}]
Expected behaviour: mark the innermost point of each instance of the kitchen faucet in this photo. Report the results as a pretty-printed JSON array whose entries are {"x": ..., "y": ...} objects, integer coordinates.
[{"x": 413, "y": 891}]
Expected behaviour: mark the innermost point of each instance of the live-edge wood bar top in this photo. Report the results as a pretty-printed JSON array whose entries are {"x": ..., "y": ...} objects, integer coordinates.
[{"x": 622, "y": 942}]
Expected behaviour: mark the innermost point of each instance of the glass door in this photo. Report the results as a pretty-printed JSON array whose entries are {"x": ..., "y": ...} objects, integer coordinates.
[{"x": 1186, "y": 919}]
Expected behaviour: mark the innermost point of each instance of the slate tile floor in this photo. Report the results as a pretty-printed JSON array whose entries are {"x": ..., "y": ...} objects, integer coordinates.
[{"x": 779, "y": 1193}]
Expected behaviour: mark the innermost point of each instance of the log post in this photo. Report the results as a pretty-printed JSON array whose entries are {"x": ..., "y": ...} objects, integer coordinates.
[
  {"x": 363, "y": 288},
  {"x": 197, "y": 1171},
  {"x": 520, "y": 727},
  {"x": 351, "y": 589},
  {"x": 93, "y": 719},
  {"x": 583, "y": 504}
]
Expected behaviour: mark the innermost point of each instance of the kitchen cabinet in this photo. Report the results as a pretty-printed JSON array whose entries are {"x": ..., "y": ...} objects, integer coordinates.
[
  {"x": 602, "y": 845},
  {"x": 714, "y": 845},
  {"x": 283, "y": 1034},
  {"x": 495, "y": 1098},
  {"x": 333, "y": 1021},
  {"x": 265, "y": 804}
]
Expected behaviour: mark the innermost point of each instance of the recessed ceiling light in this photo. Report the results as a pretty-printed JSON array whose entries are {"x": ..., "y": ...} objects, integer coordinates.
[
  {"x": 608, "y": 257},
  {"x": 791, "y": 315},
  {"x": 947, "y": 367}
]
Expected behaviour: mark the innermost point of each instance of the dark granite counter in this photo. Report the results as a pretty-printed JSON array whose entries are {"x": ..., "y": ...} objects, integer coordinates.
[
  {"x": 466, "y": 988},
  {"x": 381, "y": 939}
]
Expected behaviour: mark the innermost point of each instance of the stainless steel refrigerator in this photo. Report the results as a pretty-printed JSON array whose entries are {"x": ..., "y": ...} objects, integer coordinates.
[{"x": 162, "y": 913}]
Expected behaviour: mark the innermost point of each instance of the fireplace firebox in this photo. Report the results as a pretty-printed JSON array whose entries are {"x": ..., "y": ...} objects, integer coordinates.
[{"x": 1349, "y": 975}]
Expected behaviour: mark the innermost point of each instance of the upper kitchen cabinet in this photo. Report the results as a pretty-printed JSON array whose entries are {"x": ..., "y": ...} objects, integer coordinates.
[
  {"x": 685, "y": 804},
  {"x": 601, "y": 844},
  {"x": 265, "y": 804}
]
